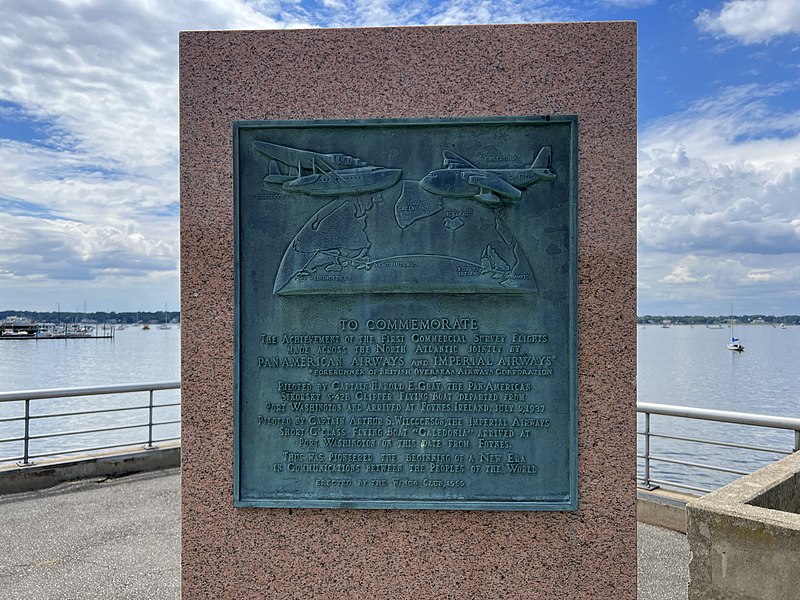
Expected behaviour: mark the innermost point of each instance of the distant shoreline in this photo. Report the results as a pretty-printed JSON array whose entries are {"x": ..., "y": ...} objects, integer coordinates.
[
  {"x": 99, "y": 317},
  {"x": 718, "y": 319}
]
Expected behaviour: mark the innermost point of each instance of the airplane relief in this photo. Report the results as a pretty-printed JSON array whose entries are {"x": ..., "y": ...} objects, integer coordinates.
[
  {"x": 377, "y": 232},
  {"x": 324, "y": 174},
  {"x": 461, "y": 179}
]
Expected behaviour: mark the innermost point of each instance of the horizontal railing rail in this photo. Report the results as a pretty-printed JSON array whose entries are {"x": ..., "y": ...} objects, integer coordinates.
[
  {"x": 645, "y": 476},
  {"x": 27, "y": 399}
]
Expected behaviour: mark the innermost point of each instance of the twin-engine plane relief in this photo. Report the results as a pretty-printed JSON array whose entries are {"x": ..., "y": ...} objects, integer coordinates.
[
  {"x": 378, "y": 234},
  {"x": 461, "y": 179}
]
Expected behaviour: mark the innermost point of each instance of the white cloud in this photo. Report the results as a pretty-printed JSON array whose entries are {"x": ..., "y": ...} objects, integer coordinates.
[
  {"x": 457, "y": 12},
  {"x": 72, "y": 185},
  {"x": 682, "y": 273},
  {"x": 105, "y": 73},
  {"x": 63, "y": 249},
  {"x": 708, "y": 283},
  {"x": 720, "y": 180},
  {"x": 96, "y": 199},
  {"x": 752, "y": 21},
  {"x": 370, "y": 13}
]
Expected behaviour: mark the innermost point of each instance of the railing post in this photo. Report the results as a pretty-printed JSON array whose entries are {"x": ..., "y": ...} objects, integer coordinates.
[
  {"x": 797, "y": 440},
  {"x": 26, "y": 441},
  {"x": 149, "y": 445},
  {"x": 647, "y": 449}
]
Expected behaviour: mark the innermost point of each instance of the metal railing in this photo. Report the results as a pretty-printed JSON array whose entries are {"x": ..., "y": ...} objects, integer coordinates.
[
  {"x": 29, "y": 398},
  {"x": 645, "y": 478}
]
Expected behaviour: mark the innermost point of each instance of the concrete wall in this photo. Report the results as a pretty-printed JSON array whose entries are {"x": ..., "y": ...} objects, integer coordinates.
[
  {"x": 742, "y": 549},
  {"x": 663, "y": 508},
  {"x": 784, "y": 496},
  {"x": 578, "y": 68}
]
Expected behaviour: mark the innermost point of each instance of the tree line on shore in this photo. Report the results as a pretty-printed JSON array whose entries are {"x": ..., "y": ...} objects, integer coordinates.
[
  {"x": 719, "y": 320},
  {"x": 111, "y": 317}
]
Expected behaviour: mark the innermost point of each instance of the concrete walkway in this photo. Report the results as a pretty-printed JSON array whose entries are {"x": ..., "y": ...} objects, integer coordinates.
[
  {"x": 663, "y": 564},
  {"x": 120, "y": 538}
]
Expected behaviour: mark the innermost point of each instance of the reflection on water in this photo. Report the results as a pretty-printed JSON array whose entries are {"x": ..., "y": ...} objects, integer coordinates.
[
  {"x": 132, "y": 356},
  {"x": 690, "y": 366}
]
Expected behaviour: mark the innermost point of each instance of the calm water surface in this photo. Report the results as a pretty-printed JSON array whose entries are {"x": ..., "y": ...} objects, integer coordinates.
[
  {"x": 690, "y": 366},
  {"x": 132, "y": 356}
]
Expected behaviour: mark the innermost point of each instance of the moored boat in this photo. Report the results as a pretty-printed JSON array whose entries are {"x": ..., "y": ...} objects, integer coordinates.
[
  {"x": 17, "y": 328},
  {"x": 735, "y": 345}
]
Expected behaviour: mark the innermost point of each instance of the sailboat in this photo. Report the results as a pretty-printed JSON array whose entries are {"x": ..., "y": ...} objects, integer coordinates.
[
  {"x": 165, "y": 324},
  {"x": 735, "y": 345}
]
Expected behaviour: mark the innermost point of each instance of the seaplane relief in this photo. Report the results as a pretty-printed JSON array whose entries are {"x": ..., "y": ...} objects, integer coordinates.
[
  {"x": 319, "y": 174},
  {"x": 461, "y": 179}
]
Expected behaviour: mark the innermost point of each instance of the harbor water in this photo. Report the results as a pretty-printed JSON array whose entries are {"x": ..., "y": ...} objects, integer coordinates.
[
  {"x": 680, "y": 365},
  {"x": 133, "y": 355},
  {"x": 690, "y": 366}
]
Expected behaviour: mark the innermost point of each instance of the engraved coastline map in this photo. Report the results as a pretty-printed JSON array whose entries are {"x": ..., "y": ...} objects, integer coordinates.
[{"x": 405, "y": 314}]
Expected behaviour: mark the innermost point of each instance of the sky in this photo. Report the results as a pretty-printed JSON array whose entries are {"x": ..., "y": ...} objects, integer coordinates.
[{"x": 89, "y": 202}]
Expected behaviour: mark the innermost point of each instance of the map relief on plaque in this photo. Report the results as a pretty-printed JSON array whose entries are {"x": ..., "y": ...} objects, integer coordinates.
[{"x": 378, "y": 231}]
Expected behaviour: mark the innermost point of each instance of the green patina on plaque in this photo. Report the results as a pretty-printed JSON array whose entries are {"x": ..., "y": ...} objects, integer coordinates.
[{"x": 405, "y": 313}]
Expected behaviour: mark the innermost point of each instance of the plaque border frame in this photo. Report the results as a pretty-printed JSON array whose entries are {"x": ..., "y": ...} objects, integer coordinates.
[{"x": 572, "y": 368}]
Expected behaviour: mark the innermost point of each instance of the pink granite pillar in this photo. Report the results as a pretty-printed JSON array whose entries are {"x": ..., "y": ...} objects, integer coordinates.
[{"x": 586, "y": 69}]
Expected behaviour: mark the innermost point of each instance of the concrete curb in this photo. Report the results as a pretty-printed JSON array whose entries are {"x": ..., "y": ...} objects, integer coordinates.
[
  {"x": 44, "y": 474},
  {"x": 663, "y": 508}
]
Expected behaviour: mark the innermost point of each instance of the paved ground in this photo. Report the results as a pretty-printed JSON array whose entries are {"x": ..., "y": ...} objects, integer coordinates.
[
  {"x": 120, "y": 538},
  {"x": 663, "y": 564}
]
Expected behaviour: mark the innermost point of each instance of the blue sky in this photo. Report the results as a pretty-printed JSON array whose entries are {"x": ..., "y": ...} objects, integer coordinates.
[{"x": 89, "y": 142}]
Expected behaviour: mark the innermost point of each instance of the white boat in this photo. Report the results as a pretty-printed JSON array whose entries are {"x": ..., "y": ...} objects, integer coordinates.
[
  {"x": 78, "y": 330},
  {"x": 17, "y": 327},
  {"x": 14, "y": 333},
  {"x": 735, "y": 345}
]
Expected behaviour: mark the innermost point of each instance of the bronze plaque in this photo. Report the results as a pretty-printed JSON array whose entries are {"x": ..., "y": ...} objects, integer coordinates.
[{"x": 406, "y": 330}]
